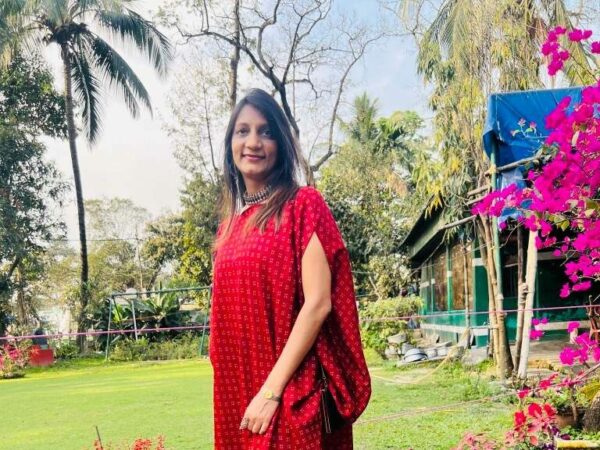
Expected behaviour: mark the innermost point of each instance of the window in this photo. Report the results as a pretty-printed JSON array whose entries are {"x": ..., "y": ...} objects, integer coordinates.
[
  {"x": 439, "y": 275},
  {"x": 461, "y": 275}
]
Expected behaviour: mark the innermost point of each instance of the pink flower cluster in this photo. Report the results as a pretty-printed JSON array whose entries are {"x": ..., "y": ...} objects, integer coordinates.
[
  {"x": 556, "y": 52},
  {"x": 585, "y": 349},
  {"x": 564, "y": 192},
  {"x": 537, "y": 330}
]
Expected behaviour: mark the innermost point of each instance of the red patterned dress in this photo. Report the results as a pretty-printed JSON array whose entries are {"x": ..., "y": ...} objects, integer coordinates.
[{"x": 257, "y": 294}]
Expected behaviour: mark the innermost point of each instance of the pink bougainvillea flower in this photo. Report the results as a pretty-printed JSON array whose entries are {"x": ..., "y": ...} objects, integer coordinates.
[
  {"x": 579, "y": 35},
  {"x": 536, "y": 335},
  {"x": 535, "y": 321},
  {"x": 595, "y": 47},
  {"x": 547, "y": 382},
  {"x": 572, "y": 326},
  {"x": 567, "y": 356},
  {"x": 596, "y": 353},
  {"x": 560, "y": 30},
  {"x": 544, "y": 320},
  {"x": 582, "y": 286}
]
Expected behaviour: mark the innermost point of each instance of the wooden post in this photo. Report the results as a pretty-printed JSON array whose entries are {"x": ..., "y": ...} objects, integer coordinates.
[
  {"x": 530, "y": 277},
  {"x": 521, "y": 291}
]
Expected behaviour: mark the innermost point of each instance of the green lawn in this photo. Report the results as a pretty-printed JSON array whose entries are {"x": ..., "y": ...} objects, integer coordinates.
[{"x": 58, "y": 408}]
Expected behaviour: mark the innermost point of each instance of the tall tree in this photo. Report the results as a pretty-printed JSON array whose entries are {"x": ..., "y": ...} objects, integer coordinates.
[
  {"x": 290, "y": 46},
  {"x": 469, "y": 49},
  {"x": 75, "y": 26},
  {"x": 367, "y": 184},
  {"x": 29, "y": 186}
]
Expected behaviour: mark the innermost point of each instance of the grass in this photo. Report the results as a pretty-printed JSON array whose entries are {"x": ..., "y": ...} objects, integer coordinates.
[{"x": 58, "y": 408}]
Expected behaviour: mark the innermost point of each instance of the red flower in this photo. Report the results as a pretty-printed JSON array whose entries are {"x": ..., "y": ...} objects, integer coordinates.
[
  {"x": 520, "y": 418},
  {"x": 534, "y": 410}
]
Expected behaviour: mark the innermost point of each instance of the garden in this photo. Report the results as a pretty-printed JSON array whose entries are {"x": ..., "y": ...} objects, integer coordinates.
[
  {"x": 62, "y": 406},
  {"x": 473, "y": 230}
]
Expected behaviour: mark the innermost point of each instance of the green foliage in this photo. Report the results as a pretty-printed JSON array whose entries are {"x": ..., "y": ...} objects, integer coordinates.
[
  {"x": 90, "y": 57},
  {"x": 30, "y": 187},
  {"x": 200, "y": 221},
  {"x": 390, "y": 273},
  {"x": 184, "y": 347},
  {"x": 470, "y": 50},
  {"x": 28, "y": 100},
  {"x": 162, "y": 246},
  {"x": 66, "y": 350},
  {"x": 368, "y": 185},
  {"x": 374, "y": 333},
  {"x": 586, "y": 393}
]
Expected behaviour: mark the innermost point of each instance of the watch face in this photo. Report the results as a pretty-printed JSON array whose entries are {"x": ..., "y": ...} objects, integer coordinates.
[{"x": 268, "y": 394}]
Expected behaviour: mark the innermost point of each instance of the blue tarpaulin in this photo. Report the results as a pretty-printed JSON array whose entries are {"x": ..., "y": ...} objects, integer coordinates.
[
  {"x": 516, "y": 126},
  {"x": 516, "y": 121}
]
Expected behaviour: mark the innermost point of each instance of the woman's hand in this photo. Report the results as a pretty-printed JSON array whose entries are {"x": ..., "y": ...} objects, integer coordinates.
[{"x": 259, "y": 413}]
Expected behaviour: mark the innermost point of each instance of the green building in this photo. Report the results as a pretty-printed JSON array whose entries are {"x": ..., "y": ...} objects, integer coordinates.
[{"x": 450, "y": 273}]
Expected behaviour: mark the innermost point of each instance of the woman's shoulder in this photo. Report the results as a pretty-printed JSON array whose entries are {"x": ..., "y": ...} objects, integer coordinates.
[{"x": 308, "y": 195}]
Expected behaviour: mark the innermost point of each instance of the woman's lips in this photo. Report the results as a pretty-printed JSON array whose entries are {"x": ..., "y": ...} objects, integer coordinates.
[{"x": 254, "y": 157}]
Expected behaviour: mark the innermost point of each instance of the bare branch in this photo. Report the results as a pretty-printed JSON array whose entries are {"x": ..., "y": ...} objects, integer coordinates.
[{"x": 357, "y": 56}]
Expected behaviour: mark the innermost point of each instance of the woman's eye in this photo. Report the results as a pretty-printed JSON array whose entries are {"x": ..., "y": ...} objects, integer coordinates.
[
  {"x": 242, "y": 131},
  {"x": 266, "y": 132}
]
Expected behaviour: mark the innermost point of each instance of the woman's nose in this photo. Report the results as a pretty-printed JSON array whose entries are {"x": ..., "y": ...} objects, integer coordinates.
[{"x": 253, "y": 139}]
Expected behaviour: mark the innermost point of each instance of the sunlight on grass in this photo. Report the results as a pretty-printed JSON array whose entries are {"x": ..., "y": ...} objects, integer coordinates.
[{"x": 58, "y": 408}]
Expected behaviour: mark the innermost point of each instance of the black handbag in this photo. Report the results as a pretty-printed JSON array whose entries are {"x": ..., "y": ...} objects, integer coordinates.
[{"x": 332, "y": 420}]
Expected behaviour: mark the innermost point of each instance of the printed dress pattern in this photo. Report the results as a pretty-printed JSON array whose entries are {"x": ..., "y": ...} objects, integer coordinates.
[{"x": 257, "y": 294}]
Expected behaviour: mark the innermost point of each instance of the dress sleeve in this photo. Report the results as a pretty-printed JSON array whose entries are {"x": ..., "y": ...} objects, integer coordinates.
[
  {"x": 338, "y": 346},
  {"x": 314, "y": 216}
]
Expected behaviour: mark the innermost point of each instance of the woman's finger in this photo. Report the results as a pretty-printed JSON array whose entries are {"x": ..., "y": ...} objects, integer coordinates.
[
  {"x": 264, "y": 427},
  {"x": 256, "y": 426}
]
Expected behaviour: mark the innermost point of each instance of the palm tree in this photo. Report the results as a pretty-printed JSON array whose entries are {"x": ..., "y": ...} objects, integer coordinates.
[{"x": 77, "y": 27}]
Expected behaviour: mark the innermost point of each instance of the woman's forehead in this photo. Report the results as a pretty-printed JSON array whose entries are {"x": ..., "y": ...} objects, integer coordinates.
[{"x": 250, "y": 115}]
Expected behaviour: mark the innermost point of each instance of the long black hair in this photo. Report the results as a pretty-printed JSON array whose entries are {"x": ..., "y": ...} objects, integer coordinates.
[{"x": 284, "y": 175}]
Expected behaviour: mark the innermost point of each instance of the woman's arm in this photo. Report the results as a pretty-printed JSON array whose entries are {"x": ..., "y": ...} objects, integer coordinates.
[{"x": 316, "y": 283}]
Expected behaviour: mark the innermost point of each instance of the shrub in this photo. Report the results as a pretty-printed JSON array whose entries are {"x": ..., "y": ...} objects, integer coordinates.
[
  {"x": 184, "y": 347},
  {"x": 384, "y": 318},
  {"x": 66, "y": 350},
  {"x": 14, "y": 357}
]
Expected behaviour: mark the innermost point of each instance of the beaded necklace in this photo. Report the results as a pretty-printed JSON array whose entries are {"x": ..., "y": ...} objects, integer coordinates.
[{"x": 257, "y": 197}]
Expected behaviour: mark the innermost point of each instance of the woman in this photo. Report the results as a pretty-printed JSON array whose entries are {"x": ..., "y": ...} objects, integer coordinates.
[{"x": 283, "y": 309}]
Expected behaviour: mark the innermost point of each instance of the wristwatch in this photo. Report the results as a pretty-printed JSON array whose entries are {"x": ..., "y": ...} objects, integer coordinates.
[{"x": 268, "y": 394}]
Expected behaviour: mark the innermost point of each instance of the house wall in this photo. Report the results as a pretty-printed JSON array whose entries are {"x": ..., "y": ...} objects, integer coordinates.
[
  {"x": 450, "y": 323},
  {"x": 445, "y": 320}
]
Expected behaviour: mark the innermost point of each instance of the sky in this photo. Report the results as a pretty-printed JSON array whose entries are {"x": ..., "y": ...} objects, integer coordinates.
[{"x": 133, "y": 158}]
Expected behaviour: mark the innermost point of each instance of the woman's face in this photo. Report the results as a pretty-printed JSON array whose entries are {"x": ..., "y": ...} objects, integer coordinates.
[{"x": 254, "y": 148}]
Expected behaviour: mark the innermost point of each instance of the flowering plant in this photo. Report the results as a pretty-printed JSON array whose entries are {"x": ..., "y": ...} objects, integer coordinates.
[
  {"x": 14, "y": 357},
  {"x": 563, "y": 193},
  {"x": 138, "y": 444}
]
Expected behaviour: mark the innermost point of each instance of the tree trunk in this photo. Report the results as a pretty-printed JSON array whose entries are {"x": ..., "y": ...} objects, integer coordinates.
[
  {"x": 5, "y": 292},
  {"x": 72, "y": 133},
  {"x": 491, "y": 305},
  {"x": 235, "y": 58},
  {"x": 504, "y": 363},
  {"x": 528, "y": 313},
  {"x": 520, "y": 296},
  {"x": 591, "y": 420}
]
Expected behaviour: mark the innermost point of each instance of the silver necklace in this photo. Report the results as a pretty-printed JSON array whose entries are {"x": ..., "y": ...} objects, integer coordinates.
[{"x": 257, "y": 197}]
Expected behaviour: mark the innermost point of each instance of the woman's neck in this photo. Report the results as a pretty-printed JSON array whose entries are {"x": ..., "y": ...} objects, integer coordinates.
[{"x": 252, "y": 187}]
